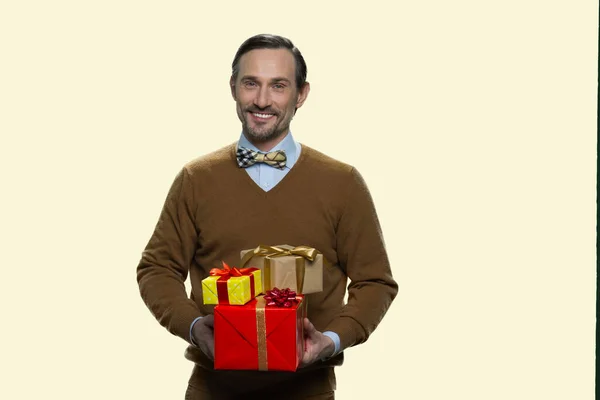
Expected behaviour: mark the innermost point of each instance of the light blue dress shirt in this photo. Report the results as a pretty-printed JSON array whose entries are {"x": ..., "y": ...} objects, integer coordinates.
[
  {"x": 264, "y": 175},
  {"x": 267, "y": 178}
]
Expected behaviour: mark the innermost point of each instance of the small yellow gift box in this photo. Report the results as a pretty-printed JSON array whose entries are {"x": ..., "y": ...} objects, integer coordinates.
[{"x": 231, "y": 285}]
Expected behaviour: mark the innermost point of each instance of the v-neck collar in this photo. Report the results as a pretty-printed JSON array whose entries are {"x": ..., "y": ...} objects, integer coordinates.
[{"x": 284, "y": 181}]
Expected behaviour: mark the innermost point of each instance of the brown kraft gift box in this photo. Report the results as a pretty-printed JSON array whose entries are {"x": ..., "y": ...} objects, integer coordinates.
[{"x": 299, "y": 268}]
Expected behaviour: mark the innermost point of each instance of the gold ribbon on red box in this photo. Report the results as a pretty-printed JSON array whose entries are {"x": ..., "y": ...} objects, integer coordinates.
[
  {"x": 273, "y": 299},
  {"x": 258, "y": 336}
]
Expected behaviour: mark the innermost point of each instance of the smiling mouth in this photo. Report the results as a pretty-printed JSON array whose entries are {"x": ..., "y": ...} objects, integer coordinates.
[{"x": 262, "y": 115}]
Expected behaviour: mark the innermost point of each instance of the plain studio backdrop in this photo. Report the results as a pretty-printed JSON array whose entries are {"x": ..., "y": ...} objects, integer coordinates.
[{"x": 473, "y": 123}]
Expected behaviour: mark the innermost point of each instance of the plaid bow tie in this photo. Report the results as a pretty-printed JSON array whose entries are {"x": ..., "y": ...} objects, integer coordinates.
[{"x": 247, "y": 157}]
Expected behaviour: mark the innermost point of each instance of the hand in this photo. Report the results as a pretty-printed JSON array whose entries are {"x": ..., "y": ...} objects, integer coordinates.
[
  {"x": 204, "y": 335},
  {"x": 316, "y": 345}
]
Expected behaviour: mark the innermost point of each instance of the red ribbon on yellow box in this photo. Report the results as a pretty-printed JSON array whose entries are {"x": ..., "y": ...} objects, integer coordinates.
[
  {"x": 228, "y": 272},
  {"x": 222, "y": 287}
]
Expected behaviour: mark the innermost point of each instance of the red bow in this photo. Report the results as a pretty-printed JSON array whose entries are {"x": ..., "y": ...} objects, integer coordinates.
[
  {"x": 281, "y": 297},
  {"x": 228, "y": 271}
]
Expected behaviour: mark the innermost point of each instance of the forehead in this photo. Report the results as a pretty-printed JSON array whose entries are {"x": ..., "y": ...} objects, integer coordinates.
[{"x": 268, "y": 63}]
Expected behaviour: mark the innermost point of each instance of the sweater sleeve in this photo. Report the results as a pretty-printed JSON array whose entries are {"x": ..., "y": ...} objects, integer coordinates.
[
  {"x": 165, "y": 262},
  {"x": 362, "y": 255}
]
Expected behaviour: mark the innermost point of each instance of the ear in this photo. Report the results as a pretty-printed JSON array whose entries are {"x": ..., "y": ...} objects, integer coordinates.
[
  {"x": 303, "y": 94},
  {"x": 232, "y": 87}
]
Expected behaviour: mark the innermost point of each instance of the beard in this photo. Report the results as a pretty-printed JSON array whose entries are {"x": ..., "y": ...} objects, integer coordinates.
[{"x": 263, "y": 132}]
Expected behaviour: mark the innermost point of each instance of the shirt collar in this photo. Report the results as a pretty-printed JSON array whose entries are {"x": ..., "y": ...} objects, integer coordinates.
[{"x": 288, "y": 144}]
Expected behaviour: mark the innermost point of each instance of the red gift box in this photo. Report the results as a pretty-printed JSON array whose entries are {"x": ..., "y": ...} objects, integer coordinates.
[{"x": 257, "y": 336}]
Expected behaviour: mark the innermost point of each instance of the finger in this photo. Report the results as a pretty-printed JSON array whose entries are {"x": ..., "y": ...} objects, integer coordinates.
[
  {"x": 211, "y": 349},
  {"x": 309, "y": 356},
  {"x": 309, "y": 328},
  {"x": 303, "y": 363},
  {"x": 209, "y": 320},
  {"x": 208, "y": 346},
  {"x": 306, "y": 359}
]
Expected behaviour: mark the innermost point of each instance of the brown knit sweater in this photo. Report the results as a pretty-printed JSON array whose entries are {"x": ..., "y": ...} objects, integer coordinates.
[{"x": 214, "y": 209}]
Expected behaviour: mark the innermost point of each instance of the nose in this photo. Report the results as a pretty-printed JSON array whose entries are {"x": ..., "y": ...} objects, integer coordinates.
[{"x": 263, "y": 98}]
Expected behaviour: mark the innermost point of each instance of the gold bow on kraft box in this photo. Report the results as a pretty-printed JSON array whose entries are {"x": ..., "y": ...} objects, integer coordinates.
[{"x": 299, "y": 268}]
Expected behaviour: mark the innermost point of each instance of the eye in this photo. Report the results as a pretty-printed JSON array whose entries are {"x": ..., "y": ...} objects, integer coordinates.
[
  {"x": 249, "y": 84},
  {"x": 279, "y": 86}
]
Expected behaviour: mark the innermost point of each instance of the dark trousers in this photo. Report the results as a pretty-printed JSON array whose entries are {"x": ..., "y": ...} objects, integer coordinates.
[{"x": 316, "y": 384}]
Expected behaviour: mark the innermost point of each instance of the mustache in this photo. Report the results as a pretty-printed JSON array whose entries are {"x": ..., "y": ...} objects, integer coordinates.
[{"x": 267, "y": 110}]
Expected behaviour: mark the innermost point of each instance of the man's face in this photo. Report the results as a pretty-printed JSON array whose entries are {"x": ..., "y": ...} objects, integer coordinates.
[{"x": 265, "y": 93}]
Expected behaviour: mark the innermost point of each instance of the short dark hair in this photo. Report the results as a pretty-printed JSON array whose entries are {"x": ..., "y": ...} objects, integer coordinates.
[{"x": 266, "y": 41}]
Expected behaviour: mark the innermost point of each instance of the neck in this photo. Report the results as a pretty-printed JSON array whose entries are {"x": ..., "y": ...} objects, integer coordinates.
[{"x": 269, "y": 144}]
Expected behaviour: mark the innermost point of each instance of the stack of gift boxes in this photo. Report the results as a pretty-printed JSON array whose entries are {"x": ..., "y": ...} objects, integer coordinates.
[{"x": 260, "y": 307}]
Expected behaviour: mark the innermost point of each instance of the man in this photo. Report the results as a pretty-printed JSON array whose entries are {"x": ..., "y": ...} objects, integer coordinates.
[{"x": 268, "y": 189}]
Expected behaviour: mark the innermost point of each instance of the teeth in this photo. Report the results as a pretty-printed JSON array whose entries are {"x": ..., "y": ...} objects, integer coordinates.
[{"x": 262, "y": 115}]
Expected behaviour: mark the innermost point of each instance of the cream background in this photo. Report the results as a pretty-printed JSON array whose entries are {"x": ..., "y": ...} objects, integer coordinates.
[{"x": 488, "y": 206}]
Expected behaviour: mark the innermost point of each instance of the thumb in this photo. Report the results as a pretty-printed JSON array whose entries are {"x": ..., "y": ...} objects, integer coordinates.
[
  {"x": 309, "y": 328},
  {"x": 209, "y": 320}
]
